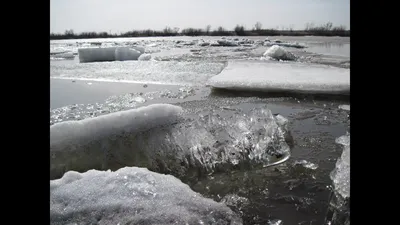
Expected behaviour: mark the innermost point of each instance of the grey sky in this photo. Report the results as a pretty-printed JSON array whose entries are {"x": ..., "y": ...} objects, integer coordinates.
[{"x": 124, "y": 15}]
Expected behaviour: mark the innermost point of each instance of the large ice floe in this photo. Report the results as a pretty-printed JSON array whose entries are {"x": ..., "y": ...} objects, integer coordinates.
[
  {"x": 169, "y": 72},
  {"x": 109, "y": 54},
  {"x": 131, "y": 195},
  {"x": 270, "y": 76},
  {"x": 339, "y": 211},
  {"x": 164, "y": 139}
]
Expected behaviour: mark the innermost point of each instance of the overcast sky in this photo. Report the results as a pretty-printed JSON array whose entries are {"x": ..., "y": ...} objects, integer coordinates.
[{"x": 124, "y": 15}]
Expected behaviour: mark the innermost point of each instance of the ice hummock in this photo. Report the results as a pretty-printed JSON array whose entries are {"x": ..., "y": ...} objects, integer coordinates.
[
  {"x": 109, "y": 54},
  {"x": 131, "y": 195},
  {"x": 191, "y": 146},
  {"x": 279, "y": 53},
  {"x": 270, "y": 76},
  {"x": 69, "y": 140}
]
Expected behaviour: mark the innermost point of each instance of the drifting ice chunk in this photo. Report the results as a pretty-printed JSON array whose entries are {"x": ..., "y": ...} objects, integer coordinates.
[
  {"x": 96, "y": 54},
  {"x": 144, "y": 57},
  {"x": 270, "y": 76},
  {"x": 344, "y": 107},
  {"x": 131, "y": 196},
  {"x": 279, "y": 53},
  {"x": 153, "y": 45},
  {"x": 83, "y": 145},
  {"x": 125, "y": 53},
  {"x": 227, "y": 43},
  {"x": 341, "y": 175},
  {"x": 204, "y": 44},
  {"x": 339, "y": 202},
  {"x": 188, "y": 147},
  {"x": 65, "y": 55},
  {"x": 109, "y": 54}
]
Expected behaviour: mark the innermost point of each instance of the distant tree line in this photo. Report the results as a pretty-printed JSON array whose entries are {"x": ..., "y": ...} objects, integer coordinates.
[{"x": 310, "y": 29}]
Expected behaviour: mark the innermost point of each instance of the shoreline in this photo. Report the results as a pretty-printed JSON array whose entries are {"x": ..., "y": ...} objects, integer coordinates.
[{"x": 263, "y": 33}]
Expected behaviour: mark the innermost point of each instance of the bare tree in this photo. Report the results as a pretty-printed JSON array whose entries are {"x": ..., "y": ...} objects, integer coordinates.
[
  {"x": 309, "y": 26},
  {"x": 69, "y": 32},
  {"x": 258, "y": 26},
  {"x": 328, "y": 26},
  {"x": 208, "y": 29}
]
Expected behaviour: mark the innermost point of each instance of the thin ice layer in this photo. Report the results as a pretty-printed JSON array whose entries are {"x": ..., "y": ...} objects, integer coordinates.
[
  {"x": 69, "y": 140},
  {"x": 131, "y": 195},
  {"x": 171, "y": 72},
  {"x": 272, "y": 76},
  {"x": 341, "y": 174},
  {"x": 194, "y": 146}
]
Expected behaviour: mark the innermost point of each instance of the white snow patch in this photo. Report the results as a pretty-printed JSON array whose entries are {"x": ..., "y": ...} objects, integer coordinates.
[
  {"x": 270, "y": 76},
  {"x": 279, "y": 53},
  {"x": 131, "y": 195}
]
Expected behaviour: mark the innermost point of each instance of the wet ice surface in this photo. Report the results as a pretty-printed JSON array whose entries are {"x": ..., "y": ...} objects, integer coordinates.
[
  {"x": 131, "y": 195},
  {"x": 193, "y": 146},
  {"x": 339, "y": 205},
  {"x": 294, "y": 192}
]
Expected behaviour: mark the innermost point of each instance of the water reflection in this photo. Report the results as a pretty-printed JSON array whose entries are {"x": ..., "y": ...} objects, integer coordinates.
[{"x": 337, "y": 49}]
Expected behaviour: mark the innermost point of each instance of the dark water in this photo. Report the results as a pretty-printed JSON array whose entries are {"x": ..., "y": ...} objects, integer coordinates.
[{"x": 290, "y": 192}]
